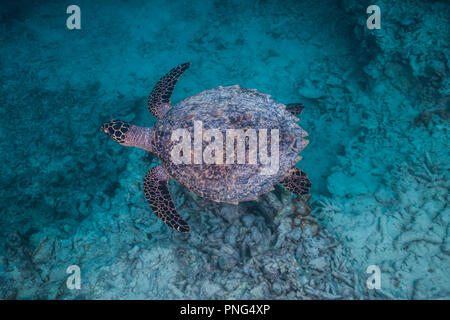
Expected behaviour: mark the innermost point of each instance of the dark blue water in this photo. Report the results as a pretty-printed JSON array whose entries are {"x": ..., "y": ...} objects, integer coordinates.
[{"x": 376, "y": 110}]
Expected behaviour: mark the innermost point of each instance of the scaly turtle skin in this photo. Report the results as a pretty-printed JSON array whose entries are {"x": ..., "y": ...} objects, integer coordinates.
[{"x": 221, "y": 108}]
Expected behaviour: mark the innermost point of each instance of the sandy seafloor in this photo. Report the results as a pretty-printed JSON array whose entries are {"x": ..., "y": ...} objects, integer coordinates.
[{"x": 376, "y": 110}]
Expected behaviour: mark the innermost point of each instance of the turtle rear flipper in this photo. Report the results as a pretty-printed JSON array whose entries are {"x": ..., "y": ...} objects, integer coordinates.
[
  {"x": 295, "y": 108},
  {"x": 159, "y": 99},
  {"x": 296, "y": 181},
  {"x": 157, "y": 193}
]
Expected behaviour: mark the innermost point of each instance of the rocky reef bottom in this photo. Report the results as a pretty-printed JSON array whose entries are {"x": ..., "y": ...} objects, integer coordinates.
[
  {"x": 271, "y": 248},
  {"x": 376, "y": 109}
]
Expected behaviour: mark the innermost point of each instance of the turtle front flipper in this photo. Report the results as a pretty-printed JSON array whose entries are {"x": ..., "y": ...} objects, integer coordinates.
[
  {"x": 295, "y": 108},
  {"x": 296, "y": 181},
  {"x": 157, "y": 193},
  {"x": 159, "y": 99}
]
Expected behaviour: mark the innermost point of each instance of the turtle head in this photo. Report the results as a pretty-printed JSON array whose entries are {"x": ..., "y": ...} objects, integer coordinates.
[
  {"x": 129, "y": 135},
  {"x": 117, "y": 130}
]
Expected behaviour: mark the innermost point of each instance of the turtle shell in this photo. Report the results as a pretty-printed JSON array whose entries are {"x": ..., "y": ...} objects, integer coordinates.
[{"x": 225, "y": 108}]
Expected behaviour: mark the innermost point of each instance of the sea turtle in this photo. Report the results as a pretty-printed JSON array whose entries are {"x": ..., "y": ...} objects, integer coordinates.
[{"x": 207, "y": 167}]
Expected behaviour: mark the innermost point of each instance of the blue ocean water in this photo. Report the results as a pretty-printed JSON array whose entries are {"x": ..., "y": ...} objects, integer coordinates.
[{"x": 376, "y": 110}]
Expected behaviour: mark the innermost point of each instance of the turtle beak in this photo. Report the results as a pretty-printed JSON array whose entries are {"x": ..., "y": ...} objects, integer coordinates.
[{"x": 103, "y": 128}]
